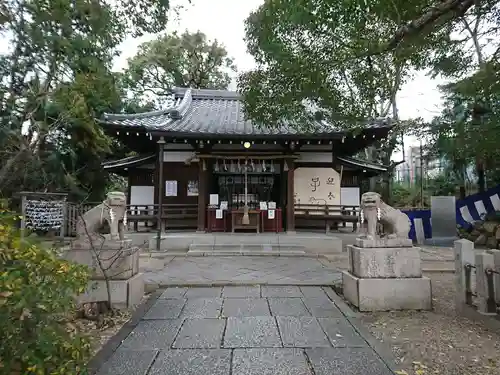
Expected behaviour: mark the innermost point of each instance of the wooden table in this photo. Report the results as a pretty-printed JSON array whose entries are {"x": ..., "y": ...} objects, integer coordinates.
[
  {"x": 214, "y": 224},
  {"x": 237, "y": 217},
  {"x": 272, "y": 225}
]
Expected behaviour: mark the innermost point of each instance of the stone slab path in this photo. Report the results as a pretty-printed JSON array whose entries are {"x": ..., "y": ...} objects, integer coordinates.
[
  {"x": 234, "y": 270},
  {"x": 244, "y": 330}
]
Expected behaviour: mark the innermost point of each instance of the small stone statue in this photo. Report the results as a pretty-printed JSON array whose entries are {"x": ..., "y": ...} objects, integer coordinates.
[
  {"x": 374, "y": 210},
  {"x": 113, "y": 210}
]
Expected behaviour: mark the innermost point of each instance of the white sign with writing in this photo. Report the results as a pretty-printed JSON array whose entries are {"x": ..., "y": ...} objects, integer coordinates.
[
  {"x": 171, "y": 188},
  {"x": 317, "y": 186},
  {"x": 271, "y": 205},
  {"x": 263, "y": 206},
  {"x": 218, "y": 214},
  {"x": 192, "y": 188},
  {"x": 214, "y": 199},
  {"x": 224, "y": 205},
  {"x": 270, "y": 214}
]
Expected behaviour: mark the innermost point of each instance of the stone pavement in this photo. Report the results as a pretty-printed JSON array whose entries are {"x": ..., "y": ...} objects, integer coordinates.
[
  {"x": 243, "y": 270},
  {"x": 245, "y": 330}
]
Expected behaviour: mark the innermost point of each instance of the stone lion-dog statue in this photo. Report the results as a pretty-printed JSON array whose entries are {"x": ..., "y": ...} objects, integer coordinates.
[
  {"x": 112, "y": 210},
  {"x": 374, "y": 210}
]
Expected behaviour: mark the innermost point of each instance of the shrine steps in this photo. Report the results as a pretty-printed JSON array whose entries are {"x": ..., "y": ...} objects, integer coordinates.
[
  {"x": 247, "y": 249},
  {"x": 300, "y": 244}
]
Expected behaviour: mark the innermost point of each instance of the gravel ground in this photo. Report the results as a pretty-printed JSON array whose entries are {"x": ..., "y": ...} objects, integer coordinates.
[{"x": 439, "y": 341}]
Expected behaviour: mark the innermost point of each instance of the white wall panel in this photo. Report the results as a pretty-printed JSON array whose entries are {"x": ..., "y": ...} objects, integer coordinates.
[
  {"x": 350, "y": 196},
  {"x": 314, "y": 157},
  {"x": 177, "y": 156}
]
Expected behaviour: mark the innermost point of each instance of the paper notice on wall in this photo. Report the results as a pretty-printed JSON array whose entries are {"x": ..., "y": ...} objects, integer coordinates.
[
  {"x": 214, "y": 199},
  {"x": 263, "y": 206},
  {"x": 171, "y": 188},
  {"x": 271, "y": 205},
  {"x": 218, "y": 213},
  {"x": 270, "y": 214},
  {"x": 192, "y": 188},
  {"x": 224, "y": 205}
]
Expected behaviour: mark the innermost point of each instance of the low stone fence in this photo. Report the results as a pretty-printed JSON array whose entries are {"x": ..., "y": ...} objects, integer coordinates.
[{"x": 477, "y": 274}]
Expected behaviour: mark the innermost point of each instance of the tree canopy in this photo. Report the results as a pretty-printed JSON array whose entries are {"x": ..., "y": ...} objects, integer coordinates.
[
  {"x": 55, "y": 78},
  {"x": 316, "y": 50},
  {"x": 347, "y": 61},
  {"x": 173, "y": 60}
]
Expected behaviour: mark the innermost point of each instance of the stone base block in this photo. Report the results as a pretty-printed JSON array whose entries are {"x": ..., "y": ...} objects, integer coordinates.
[
  {"x": 149, "y": 263},
  {"x": 383, "y": 242},
  {"x": 387, "y": 294},
  {"x": 384, "y": 262},
  {"x": 314, "y": 244},
  {"x": 100, "y": 243},
  {"x": 124, "y": 293},
  {"x": 117, "y": 263},
  {"x": 175, "y": 243},
  {"x": 441, "y": 241}
]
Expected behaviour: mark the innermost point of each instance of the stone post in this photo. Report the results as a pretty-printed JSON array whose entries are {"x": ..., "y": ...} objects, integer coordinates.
[
  {"x": 464, "y": 254},
  {"x": 484, "y": 261},
  {"x": 496, "y": 276}
]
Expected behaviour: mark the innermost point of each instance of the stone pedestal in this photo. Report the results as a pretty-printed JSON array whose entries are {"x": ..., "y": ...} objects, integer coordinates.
[
  {"x": 119, "y": 263},
  {"x": 124, "y": 293},
  {"x": 119, "y": 260},
  {"x": 386, "y": 274}
]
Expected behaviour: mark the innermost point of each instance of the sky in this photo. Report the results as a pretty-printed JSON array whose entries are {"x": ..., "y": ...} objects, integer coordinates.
[{"x": 224, "y": 20}]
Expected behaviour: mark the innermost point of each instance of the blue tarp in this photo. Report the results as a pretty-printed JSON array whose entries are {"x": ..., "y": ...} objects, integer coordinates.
[{"x": 468, "y": 210}]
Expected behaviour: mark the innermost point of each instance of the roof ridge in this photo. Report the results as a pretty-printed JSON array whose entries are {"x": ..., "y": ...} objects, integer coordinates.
[
  {"x": 180, "y": 110},
  {"x": 176, "y": 111},
  {"x": 208, "y": 93}
]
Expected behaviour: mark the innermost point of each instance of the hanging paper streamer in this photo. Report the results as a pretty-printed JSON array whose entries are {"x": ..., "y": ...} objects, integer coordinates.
[{"x": 44, "y": 215}]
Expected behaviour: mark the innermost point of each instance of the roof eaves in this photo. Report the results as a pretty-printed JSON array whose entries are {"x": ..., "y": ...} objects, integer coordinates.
[
  {"x": 363, "y": 164},
  {"x": 128, "y": 161},
  {"x": 132, "y": 116}
]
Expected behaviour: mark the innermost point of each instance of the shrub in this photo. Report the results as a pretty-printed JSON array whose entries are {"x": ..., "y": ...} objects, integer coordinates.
[{"x": 37, "y": 291}]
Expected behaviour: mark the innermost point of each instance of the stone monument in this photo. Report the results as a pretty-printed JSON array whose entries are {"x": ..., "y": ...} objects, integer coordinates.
[
  {"x": 385, "y": 272},
  {"x": 443, "y": 221},
  {"x": 113, "y": 259}
]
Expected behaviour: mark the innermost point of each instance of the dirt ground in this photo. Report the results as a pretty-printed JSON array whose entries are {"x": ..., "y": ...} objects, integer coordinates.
[
  {"x": 99, "y": 332},
  {"x": 438, "y": 341}
]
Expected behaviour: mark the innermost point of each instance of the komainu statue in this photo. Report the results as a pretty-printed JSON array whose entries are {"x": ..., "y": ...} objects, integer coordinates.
[
  {"x": 374, "y": 210},
  {"x": 112, "y": 210}
]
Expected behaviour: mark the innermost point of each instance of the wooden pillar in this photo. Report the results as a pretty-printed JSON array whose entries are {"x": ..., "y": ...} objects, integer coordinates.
[
  {"x": 290, "y": 196},
  {"x": 202, "y": 194},
  {"x": 161, "y": 148}
]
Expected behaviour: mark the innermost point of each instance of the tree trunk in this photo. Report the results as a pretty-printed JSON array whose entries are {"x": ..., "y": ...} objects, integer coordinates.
[{"x": 481, "y": 181}]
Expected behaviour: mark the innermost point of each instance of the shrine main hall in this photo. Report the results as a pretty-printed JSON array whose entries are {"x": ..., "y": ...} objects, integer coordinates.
[{"x": 201, "y": 165}]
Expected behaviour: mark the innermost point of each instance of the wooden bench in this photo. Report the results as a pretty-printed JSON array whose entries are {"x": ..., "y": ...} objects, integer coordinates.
[
  {"x": 331, "y": 215},
  {"x": 173, "y": 215}
]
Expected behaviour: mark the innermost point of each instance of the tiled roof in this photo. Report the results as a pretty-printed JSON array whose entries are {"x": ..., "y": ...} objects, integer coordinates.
[{"x": 211, "y": 112}]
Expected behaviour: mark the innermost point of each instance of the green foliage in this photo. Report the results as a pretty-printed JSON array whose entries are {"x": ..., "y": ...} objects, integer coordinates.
[
  {"x": 37, "y": 292},
  {"x": 55, "y": 79},
  {"x": 172, "y": 60},
  {"x": 326, "y": 54},
  {"x": 347, "y": 60},
  {"x": 409, "y": 194}
]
